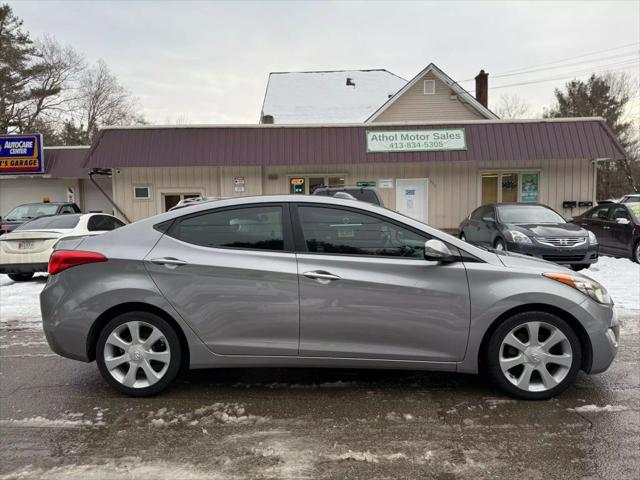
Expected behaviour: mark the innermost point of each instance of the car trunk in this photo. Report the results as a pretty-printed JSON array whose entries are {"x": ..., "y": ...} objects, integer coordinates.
[{"x": 29, "y": 242}]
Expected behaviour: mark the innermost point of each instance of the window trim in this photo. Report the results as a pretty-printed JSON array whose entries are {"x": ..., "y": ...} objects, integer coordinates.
[
  {"x": 432, "y": 83},
  {"x": 502, "y": 171},
  {"x": 136, "y": 197},
  {"x": 287, "y": 235},
  {"x": 301, "y": 244}
]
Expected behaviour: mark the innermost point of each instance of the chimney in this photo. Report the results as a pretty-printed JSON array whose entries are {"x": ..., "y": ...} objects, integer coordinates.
[{"x": 482, "y": 88}]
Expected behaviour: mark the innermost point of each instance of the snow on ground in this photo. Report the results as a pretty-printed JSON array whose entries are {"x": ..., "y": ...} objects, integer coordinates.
[
  {"x": 621, "y": 277},
  {"x": 20, "y": 303}
]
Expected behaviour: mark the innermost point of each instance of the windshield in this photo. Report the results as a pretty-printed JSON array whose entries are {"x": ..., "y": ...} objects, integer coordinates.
[
  {"x": 56, "y": 221},
  {"x": 26, "y": 212},
  {"x": 528, "y": 214},
  {"x": 634, "y": 208}
]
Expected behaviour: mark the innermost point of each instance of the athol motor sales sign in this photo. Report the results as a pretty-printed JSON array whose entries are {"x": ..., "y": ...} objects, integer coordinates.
[
  {"x": 21, "y": 154},
  {"x": 416, "y": 140}
]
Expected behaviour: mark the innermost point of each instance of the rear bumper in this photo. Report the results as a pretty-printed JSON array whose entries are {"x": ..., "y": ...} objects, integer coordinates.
[
  {"x": 561, "y": 255},
  {"x": 23, "y": 267}
]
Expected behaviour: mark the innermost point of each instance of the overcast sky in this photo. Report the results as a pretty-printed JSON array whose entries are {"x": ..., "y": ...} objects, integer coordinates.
[{"x": 208, "y": 62}]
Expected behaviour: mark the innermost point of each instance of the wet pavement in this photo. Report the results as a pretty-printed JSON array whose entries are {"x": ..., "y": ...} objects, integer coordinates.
[{"x": 59, "y": 420}]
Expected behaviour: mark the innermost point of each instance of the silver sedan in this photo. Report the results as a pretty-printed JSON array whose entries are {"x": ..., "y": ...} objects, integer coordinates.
[{"x": 295, "y": 281}]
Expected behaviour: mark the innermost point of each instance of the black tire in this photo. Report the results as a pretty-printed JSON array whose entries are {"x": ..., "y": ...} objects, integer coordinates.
[
  {"x": 581, "y": 266},
  {"x": 21, "y": 277},
  {"x": 492, "y": 364},
  {"x": 463, "y": 237},
  {"x": 499, "y": 242},
  {"x": 173, "y": 344},
  {"x": 635, "y": 254}
]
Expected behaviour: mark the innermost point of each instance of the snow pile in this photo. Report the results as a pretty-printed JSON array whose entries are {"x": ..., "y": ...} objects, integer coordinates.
[
  {"x": 42, "y": 422},
  {"x": 357, "y": 457},
  {"x": 621, "y": 277},
  {"x": 595, "y": 408},
  {"x": 20, "y": 303},
  {"x": 218, "y": 413}
]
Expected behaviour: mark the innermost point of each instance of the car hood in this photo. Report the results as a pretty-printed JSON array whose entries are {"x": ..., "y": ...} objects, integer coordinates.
[
  {"x": 530, "y": 264},
  {"x": 549, "y": 229}
]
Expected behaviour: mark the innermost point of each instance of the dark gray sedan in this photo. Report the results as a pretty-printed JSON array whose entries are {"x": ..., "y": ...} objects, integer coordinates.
[
  {"x": 312, "y": 281},
  {"x": 531, "y": 229}
]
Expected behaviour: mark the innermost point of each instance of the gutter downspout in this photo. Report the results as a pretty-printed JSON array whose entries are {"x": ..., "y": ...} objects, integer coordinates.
[{"x": 106, "y": 195}]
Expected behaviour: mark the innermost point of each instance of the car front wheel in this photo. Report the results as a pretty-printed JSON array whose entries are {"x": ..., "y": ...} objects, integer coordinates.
[
  {"x": 138, "y": 353},
  {"x": 636, "y": 252},
  {"x": 499, "y": 245},
  {"x": 533, "y": 355}
]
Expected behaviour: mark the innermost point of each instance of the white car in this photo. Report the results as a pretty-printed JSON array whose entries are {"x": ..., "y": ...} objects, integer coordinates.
[{"x": 27, "y": 249}]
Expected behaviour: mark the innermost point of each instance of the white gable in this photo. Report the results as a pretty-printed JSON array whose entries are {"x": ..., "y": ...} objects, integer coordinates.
[{"x": 325, "y": 97}]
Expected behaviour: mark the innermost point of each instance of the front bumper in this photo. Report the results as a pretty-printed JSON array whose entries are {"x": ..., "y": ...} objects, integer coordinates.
[
  {"x": 583, "y": 255},
  {"x": 23, "y": 267},
  {"x": 601, "y": 325}
]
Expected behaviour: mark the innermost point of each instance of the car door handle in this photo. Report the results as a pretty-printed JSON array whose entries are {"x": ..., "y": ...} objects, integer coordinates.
[
  {"x": 584, "y": 224},
  {"x": 606, "y": 228},
  {"x": 321, "y": 276},
  {"x": 168, "y": 262}
]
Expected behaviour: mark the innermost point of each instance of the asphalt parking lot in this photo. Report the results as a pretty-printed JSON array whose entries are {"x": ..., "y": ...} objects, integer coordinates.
[{"x": 58, "y": 420}]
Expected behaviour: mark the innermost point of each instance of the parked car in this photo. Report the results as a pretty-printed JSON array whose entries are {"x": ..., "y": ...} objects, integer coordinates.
[
  {"x": 28, "y": 211},
  {"x": 315, "y": 281},
  {"x": 364, "y": 194},
  {"x": 531, "y": 229},
  {"x": 617, "y": 227},
  {"x": 631, "y": 198},
  {"x": 27, "y": 249}
]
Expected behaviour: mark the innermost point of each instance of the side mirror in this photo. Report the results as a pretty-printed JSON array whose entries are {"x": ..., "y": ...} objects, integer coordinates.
[
  {"x": 437, "y": 251},
  {"x": 623, "y": 221}
]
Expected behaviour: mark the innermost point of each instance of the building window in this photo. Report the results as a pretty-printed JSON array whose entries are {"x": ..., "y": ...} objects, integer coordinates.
[
  {"x": 170, "y": 200},
  {"x": 306, "y": 185},
  {"x": 429, "y": 87},
  {"x": 503, "y": 187},
  {"x": 142, "y": 193}
]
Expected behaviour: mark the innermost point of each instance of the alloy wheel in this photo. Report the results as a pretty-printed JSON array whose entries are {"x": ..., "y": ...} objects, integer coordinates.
[
  {"x": 535, "y": 356},
  {"x": 137, "y": 354}
]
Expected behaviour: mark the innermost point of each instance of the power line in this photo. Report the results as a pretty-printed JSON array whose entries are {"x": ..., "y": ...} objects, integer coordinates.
[{"x": 531, "y": 67}]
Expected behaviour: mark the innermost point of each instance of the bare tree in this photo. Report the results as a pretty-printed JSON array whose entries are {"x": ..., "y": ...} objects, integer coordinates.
[
  {"x": 512, "y": 107},
  {"x": 103, "y": 101},
  {"x": 53, "y": 87}
]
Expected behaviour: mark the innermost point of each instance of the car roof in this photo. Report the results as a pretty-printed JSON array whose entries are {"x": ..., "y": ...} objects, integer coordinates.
[{"x": 46, "y": 203}]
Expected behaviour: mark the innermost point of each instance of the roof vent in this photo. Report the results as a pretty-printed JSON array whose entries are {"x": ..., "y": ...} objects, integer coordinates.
[
  {"x": 350, "y": 82},
  {"x": 267, "y": 119}
]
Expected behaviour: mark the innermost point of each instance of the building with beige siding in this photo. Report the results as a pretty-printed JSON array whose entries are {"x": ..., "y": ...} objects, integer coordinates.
[{"x": 434, "y": 172}]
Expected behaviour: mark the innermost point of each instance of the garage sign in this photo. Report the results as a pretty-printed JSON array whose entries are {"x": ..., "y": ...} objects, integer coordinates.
[
  {"x": 21, "y": 154},
  {"x": 416, "y": 140}
]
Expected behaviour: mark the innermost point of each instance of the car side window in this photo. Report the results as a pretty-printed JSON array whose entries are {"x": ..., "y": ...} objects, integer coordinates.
[
  {"x": 342, "y": 231},
  {"x": 620, "y": 212},
  {"x": 599, "y": 213},
  {"x": 478, "y": 213},
  {"x": 489, "y": 212},
  {"x": 67, "y": 209},
  {"x": 259, "y": 228},
  {"x": 103, "y": 223}
]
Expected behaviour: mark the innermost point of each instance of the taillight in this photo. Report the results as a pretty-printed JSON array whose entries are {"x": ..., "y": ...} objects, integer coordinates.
[{"x": 62, "y": 259}]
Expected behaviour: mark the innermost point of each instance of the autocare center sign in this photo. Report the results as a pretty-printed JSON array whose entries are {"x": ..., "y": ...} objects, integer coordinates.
[
  {"x": 416, "y": 140},
  {"x": 21, "y": 154}
]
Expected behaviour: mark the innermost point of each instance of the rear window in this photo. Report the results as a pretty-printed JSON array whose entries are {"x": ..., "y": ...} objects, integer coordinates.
[
  {"x": 26, "y": 212},
  {"x": 57, "y": 221}
]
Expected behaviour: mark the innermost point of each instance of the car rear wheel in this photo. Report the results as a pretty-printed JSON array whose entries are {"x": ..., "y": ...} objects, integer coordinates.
[
  {"x": 138, "y": 353},
  {"x": 636, "y": 252},
  {"x": 499, "y": 245},
  {"x": 533, "y": 355},
  {"x": 463, "y": 237},
  {"x": 21, "y": 277}
]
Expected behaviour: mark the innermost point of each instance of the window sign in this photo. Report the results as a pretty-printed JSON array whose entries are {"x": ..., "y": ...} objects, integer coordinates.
[
  {"x": 385, "y": 183},
  {"x": 296, "y": 186},
  {"x": 529, "y": 187},
  {"x": 366, "y": 183}
]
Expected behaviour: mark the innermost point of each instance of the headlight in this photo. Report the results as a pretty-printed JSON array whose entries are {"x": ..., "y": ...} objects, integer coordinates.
[
  {"x": 593, "y": 240},
  {"x": 518, "y": 237},
  {"x": 587, "y": 286}
]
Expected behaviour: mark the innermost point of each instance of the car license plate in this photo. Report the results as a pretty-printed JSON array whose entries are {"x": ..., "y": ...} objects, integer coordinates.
[{"x": 25, "y": 245}]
